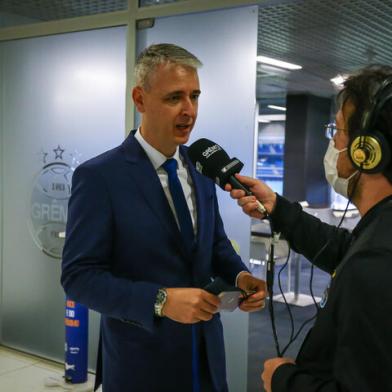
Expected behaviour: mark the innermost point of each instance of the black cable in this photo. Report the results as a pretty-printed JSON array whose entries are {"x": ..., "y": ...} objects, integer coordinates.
[
  {"x": 311, "y": 287},
  {"x": 270, "y": 268},
  {"x": 298, "y": 332},
  {"x": 282, "y": 293},
  {"x": 312, "y": 268},
  {"x": 285, "y": 300},
  {"x": 327, "y": 243},
  {"x": 322, "y": 249},
  {"x": 270, "y": 284}
]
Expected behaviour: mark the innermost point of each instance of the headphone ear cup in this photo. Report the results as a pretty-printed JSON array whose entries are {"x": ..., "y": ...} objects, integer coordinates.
[{"x": 370, "y": 152}]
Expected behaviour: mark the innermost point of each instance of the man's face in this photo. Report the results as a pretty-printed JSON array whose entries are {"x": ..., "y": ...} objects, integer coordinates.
[{"x": 168, "y": 106}]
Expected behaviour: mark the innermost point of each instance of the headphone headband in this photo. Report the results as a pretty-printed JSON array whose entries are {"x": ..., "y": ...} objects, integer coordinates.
[
  {"x": 380, "y": 98},
  {"x": 369, "y": 150}
]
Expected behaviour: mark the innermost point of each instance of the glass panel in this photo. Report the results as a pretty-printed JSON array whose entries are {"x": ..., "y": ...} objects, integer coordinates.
[{"x": 63, "y": 102}]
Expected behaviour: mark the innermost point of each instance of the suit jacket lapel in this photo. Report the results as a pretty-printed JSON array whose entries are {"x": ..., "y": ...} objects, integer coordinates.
[{"x": 147, "y": 180}]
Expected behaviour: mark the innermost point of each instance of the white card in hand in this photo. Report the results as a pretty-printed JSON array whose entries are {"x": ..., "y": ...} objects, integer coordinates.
[{"x": 229, "y": 300}]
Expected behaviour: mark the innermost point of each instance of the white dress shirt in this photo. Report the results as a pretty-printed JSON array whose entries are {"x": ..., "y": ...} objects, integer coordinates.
[{"x": 158, "y": 159}]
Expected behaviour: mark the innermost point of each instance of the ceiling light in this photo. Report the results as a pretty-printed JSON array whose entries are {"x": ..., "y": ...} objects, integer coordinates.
[
  {"x": 338, "y": 80},
  {"x": 277, "y": 63},
  {"x": 262, "y": 120},
  {"x": 271, "y": 117},
  {"x": 277, "y": 107}
]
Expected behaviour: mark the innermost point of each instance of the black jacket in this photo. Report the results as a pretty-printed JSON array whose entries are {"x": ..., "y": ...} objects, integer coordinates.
[{"x": 350, "y": 346}]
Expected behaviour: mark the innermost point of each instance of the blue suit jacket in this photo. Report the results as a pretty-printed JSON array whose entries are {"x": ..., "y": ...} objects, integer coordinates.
[{"x": 123, "y": 244}]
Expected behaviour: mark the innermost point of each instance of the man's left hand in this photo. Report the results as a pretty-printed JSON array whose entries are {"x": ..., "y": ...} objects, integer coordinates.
[
  {"x": 270, "y": 365},
  {"x": 256, "y": 288}
]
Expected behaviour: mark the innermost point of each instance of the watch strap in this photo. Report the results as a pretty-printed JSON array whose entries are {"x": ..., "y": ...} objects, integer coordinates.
[{"x": 160, "y": 302}]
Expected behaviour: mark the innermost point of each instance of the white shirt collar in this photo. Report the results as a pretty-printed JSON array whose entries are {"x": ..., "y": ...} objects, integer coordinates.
[{"x": 155, "y": 156}]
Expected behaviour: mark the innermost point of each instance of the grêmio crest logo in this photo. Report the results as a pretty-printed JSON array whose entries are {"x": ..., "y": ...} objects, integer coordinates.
[{"x": 49, "y": 200}]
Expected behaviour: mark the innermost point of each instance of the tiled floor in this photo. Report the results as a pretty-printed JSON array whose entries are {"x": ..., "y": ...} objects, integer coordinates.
[{"x": 21, "y": 372}]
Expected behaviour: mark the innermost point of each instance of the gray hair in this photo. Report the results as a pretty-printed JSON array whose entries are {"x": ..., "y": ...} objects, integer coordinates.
[{"x": 155, "y": 55}]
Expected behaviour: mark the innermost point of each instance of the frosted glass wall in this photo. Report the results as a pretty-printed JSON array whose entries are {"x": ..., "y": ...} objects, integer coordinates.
[
  {"x": 62, "y": 102},
  {"x": 226, "y": 43}
]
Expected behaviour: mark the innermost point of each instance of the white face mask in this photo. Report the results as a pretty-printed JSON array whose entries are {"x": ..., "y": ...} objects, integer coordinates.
[{"x": 340, "y": 185}]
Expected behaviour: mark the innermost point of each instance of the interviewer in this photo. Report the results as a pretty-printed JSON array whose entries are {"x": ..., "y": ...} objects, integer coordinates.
[{"x": 349, "y": 347}]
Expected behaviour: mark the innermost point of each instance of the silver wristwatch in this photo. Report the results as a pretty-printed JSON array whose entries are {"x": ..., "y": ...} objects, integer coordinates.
[{"x": 160, "y": 302}]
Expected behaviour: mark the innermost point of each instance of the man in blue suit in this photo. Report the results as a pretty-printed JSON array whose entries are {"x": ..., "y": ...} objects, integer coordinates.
[{"x": 137, "y": 256}]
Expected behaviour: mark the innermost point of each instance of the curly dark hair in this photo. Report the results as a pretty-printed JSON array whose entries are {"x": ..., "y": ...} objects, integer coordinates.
[{"x": 370, "y": 91}]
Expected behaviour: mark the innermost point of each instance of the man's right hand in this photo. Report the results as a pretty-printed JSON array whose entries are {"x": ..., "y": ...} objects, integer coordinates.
[
  {"x": 261, "y": 192},
  {"x": 190, "y": 305}
]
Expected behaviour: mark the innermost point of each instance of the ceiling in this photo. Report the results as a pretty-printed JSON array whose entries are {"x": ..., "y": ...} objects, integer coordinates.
[
  {"x": 326, "y": 37},
  {"x": 45, "y": 10}
]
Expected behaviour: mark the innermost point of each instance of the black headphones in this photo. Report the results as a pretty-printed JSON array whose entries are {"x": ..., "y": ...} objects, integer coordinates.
[{"x": 368, "y": 149}]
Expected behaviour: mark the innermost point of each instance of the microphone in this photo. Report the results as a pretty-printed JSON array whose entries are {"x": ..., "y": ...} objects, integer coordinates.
[{"x": 211, "y": 160}]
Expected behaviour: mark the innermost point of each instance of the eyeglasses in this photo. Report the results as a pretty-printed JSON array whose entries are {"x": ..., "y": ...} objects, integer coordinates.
[{"x": 330, "y": 130}]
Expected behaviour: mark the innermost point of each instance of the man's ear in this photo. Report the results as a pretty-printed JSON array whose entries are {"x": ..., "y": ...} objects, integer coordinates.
[{"x": 138, "y": 98}]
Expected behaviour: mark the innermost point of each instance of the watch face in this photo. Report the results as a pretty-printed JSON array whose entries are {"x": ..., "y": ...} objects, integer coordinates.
[
  {"x": 160, "y": 301},
  {"x": 161, "y": 297}
]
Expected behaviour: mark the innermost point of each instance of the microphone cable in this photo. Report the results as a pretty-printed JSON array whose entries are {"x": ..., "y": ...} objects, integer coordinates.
[
  {"x": 271, "y": 277},
  {"x": 322, "y": 249},
  {"x": 270, "y": 287},
  {"x": 293, "y": 335},
  {"x": 284, "y": 298},
  {"x": 329, "y": 241}
]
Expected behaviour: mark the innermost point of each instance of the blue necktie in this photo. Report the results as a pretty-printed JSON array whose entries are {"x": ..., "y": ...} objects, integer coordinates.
[
  {"x": 186, "y": 228},
  {"x": 182, "y": 210}
]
